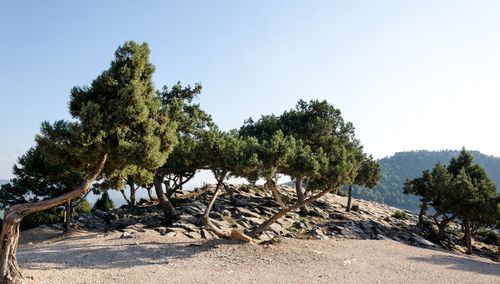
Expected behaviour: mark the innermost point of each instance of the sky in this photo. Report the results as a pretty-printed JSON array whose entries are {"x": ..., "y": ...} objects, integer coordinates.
[{"x": 410, "y": 75}]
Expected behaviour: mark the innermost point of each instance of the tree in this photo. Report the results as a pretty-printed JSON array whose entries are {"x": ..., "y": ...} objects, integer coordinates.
[
  {"x": 183, "y": 162},
  {"x": 119, "y": 125},
  {"x": 38, "y": 179},
  {"x": 367, "y": 175},
  {"x": 461, "y": 190}
]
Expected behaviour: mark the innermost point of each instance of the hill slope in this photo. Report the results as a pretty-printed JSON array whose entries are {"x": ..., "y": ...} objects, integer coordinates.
[{"x": 402, "y": 165}]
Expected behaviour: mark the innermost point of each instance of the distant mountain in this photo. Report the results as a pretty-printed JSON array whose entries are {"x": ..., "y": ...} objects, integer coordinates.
[
  {"x": 3, "y": 181},
  {"x": 404, "y": 165}
]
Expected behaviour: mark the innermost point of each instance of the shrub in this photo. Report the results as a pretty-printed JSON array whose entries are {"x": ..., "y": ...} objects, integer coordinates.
[
  {"x": 50, "y": 216},
  {"x": 355, "y": 207},
  {"x": 401, "y": 215},
  {"x": 82, "y": 208},
  {"x": 490, "y": 237},
  {"x": 104, "y": 203}
]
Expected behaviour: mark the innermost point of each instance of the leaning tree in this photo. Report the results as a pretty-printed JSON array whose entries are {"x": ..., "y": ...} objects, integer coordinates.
[
  {"x": 367, "y": 175},
  {"x": 183, "y": 162},
  {"x": 119, "y": 123}
]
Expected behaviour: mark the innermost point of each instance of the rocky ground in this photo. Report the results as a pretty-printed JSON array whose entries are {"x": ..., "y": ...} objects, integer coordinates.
[
  {"x": 149, "y": 257},
  {"x": 245, "y": 207},
  {"x": 366, "y": 245}
]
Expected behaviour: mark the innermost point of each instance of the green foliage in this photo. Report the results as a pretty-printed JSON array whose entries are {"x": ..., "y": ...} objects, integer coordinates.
[
  {"x": 397, "y": 169},
  {"x": 47, "y": 217},
  {"x": 311, "y": 143},
  {"x": 36, "y": 178},
  {"x": 462, "y": 190},
  {"x": 82, "y": 208},
  {"x": 104, "y": 203},
  {"x": 490, "y": 237},
  {"x": 120, "y": 115},
  {"x": 401, "y": 215}
]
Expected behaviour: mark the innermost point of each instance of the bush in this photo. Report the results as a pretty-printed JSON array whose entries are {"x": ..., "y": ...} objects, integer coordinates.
[
  {"x": 82, "y": 208},
  {"x": 50, "y": 216},
  {"x": 490, "y": 237},
  {"x": 355, "y": 207},
  {"x": 401, "y": 215},
  {"x": 104, "y": 203}
]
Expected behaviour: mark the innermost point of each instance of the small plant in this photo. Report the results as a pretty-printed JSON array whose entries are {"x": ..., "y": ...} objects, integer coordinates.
[
  {"x": 104, "y": 203},
  {"x": 401, "y": 215},
  {"x": 82, "y": 208},
  {"x": 355, "y": 207},
  {"x": 490, "y": 237}
]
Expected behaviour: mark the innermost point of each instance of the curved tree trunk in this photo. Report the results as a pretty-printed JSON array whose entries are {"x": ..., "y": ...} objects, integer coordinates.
[
  {"x": 300, "y": 195},
  {"x": 468, "y": 239},
  {"x": 349, "y": 199},
  {"x": 150, "y": 195},
  {"x": 125, "y": 197},
  {"x": 442, "y": 226},
  {"x": 264, "y": 226},
  {"x": 166, "y": 205},
  {"x": 133, "y": 190},
  {"x": 206, "y": 216},
  {"x": 277, "y": 196},
  {"x": 9, "y": 269},
  {"x": 68, "y": 212},
  {"x": 422, "y": 213}
]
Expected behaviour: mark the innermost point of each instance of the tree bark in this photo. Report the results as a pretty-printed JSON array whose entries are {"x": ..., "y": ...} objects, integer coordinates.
[
  {"x": 277, "y": 197},
  {"x": 122, "y": 191},
  {"x": 264, "y": 226},
  {"x": 133, "y": 190},
  {"x": 300, "y": 196},
  {"x": 206, "y": 216},
  {"x": 349, "y": 199},
  {"x": 442, "y": 226},
  {"x": 468, "y": 239},
  {"x": 68, "y": 212},
  {"x": 166, "y": 205},
  {"x": 150, "y": 195},
  {"x": 422, "y": 213},
  {"x": 9, "y": 237}
]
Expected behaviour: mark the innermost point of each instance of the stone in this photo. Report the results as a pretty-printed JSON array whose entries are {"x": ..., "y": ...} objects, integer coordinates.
[
  {"x": 193, "y": 235},
  {"x": 246, "y": 212},
  {"x": 215, "y": 215},
  {"x": 126, "y": 235},
  {"x": 161, "y": 230},
  {"x": 170, "y": 234}
]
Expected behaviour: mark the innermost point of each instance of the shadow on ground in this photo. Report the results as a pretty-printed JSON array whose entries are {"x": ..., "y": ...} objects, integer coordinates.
[
  {"x": 105, "y": 256},
  {"x": 462, "y": 263}
]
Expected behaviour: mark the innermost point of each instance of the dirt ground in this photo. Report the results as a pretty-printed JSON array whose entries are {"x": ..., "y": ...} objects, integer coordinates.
[{"x": 148, "y": 257}]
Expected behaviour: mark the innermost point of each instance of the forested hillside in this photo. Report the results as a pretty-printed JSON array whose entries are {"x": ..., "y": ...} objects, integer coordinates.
[{"x": 402, "y": 165}]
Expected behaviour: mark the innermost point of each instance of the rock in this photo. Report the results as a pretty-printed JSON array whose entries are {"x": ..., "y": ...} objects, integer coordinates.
[
  {"x": 170, "y": 234},
  {"x": 161, "y": 230},
  {"x": 186, "y": 226},
  {"x": 126, "y": 235},
  {"x": 186, "y": 218},
  {"x": 421, "y": 241},
  {"x": 193, "y": 235},
  {"x": 245, "y": 212},
  {"x": 215, "y": 215}
]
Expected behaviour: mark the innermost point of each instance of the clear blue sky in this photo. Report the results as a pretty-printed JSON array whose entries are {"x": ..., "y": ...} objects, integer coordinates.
[{"x": 409, "y": 74}]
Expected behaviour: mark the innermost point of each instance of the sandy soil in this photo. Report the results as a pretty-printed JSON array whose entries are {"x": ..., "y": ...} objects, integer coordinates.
[{"x": 151, "y": 258}]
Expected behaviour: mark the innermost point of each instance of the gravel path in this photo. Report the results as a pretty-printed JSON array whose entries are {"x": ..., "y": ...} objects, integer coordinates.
[{"x": 151, "y": 258}]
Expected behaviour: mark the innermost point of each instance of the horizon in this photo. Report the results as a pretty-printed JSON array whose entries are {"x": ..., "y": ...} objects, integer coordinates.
[{"x": 408, "y": 75}]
